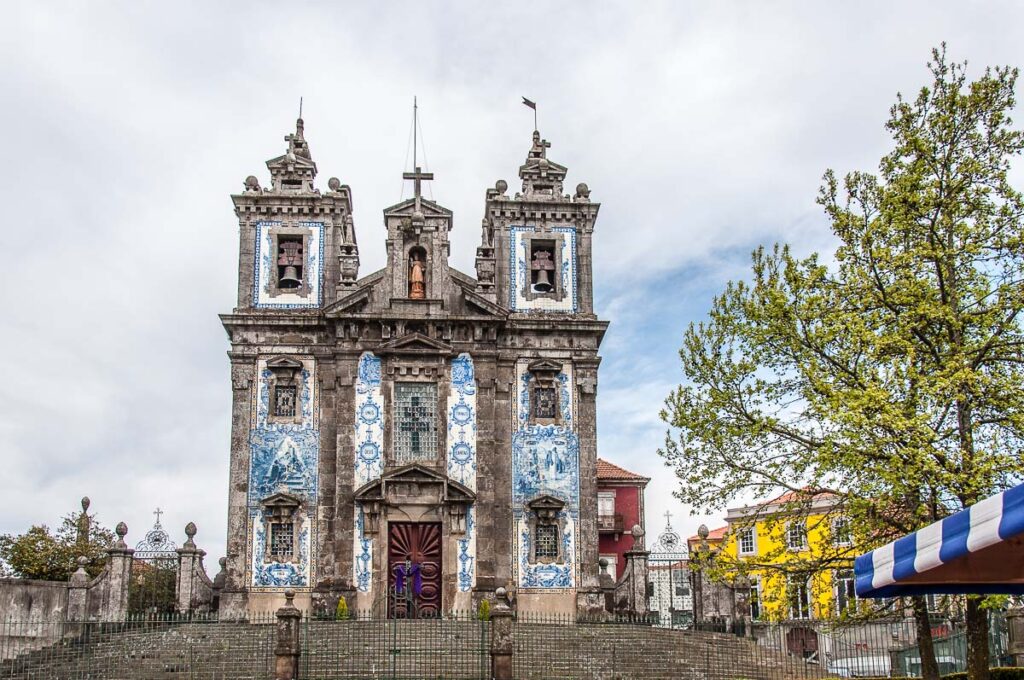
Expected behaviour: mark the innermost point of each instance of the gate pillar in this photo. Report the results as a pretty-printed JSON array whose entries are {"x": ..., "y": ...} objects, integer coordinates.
[
  {"x": 287, "y": 651},
  {"x": 502, "y": 625},
  {"x": 119, "y": 568}
]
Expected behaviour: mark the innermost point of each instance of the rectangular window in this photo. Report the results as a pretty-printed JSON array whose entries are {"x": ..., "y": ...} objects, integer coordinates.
[
  {"x": 798, "y": 591},
  {"x": 545, "y": 403},
  {"x": 796, "y": 535},
  {"x": 746, "y": 540},
  {"x": 846, "y": 591},
  {"x": 284, "y": 401},
  {"x": 755, "y": 599},
  {"x": 605, "y": 504},
  {"x": 282, "y": 535},
  {"x": 841, "y": 531},
  {"x": 547, "y": 541},
  {"x": 415, "y": 422}
]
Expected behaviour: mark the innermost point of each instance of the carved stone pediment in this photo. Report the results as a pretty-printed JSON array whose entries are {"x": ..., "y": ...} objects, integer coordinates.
[
  {"x": 416, "y": 344},
  {"x": 416, "y": 485},
  {"x": 544, "y": 366},
  {"x": 546, "y": 502},
  {"x": 281, "y": 500}
]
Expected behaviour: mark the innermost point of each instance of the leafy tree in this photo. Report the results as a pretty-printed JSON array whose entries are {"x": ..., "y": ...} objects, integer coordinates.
[
  {"x": 889, "y": 376},
  {"x": 52, "y": 556}
]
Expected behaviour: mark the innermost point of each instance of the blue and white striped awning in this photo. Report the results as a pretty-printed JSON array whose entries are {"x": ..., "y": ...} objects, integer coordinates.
[{"x": 977, "y": 550}]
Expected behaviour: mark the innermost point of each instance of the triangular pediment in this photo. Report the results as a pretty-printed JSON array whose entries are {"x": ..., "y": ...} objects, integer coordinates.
[
  {"x": 453, "y": 492},
  {"x": 284, "y": 363},
  {"x": 408, "y": 206},
  {"x": 545, "y": 366},
  {"x": 281, "y": 499},
  {"x": 546, "y": 502},
  {"x": 542, "y": 167},
  {"x": 415, "y": 343},
  {"x": 294, "y": 160}
]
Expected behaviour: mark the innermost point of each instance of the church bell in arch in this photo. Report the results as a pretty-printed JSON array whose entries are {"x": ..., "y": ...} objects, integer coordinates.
[
  {"x": 542, "y": 267},
  {"x": 289, "y": 260}
]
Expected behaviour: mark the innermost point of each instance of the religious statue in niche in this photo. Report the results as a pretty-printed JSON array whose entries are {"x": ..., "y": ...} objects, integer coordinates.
[{"x": 417, "y": 281}]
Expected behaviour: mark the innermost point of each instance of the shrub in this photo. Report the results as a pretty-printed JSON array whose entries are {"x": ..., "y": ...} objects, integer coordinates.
[
  {"x": 1001, "y": 673},
  {"x": 484, "y": 611}
]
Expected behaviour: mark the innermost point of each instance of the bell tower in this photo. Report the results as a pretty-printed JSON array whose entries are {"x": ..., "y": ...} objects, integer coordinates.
[{"x": 535, "y": 252}]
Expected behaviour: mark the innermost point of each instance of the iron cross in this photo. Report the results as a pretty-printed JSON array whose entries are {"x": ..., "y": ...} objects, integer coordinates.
[
  {"x": 417, "y": 177},
  {"x": 158, "y": 512},
  {"x": 668, "y": 518}
]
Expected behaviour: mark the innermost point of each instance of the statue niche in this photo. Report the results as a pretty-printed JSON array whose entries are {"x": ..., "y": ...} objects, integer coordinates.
[{"x": 417, "y": 274}]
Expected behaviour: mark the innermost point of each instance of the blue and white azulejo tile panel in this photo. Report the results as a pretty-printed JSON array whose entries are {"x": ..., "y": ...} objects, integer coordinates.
[
  {"x": 462, "y": 456},
  {"x": 284, "y": 458},
  {"x": 519, "y": 272},
  {"x": 545, "y": 461},
  {"x": 369, "y": 421},
  {"x": 462, "y": 422},
  {"x": 362, "y": 554},
  {"x": 264, "y": 274}
]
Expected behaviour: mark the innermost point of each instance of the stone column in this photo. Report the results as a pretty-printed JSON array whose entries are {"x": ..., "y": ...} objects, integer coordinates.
[
  {"x": 287, "y": 651},
  {"x": 119, "y": 573},
  {"x": 190, "y": 561},
  {"x": 234, "y": 595},
  {"x": 1015, "y": 631},
  {"x": 502, "y": 637},
  {"x": 78, "y": 588}
]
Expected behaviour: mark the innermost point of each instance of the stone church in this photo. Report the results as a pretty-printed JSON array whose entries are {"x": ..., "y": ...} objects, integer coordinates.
[{"x": 415, "y": 415}]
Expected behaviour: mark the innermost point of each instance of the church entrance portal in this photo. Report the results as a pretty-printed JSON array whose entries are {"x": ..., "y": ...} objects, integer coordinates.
[{"x": 421, "y": 543}]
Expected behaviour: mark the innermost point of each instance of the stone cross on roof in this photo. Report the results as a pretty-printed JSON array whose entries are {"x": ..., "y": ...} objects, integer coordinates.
[{"x": 417, "y": 177}]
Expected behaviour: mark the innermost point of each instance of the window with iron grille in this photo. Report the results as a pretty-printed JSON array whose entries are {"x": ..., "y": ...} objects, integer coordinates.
[
  {"x": 284, "y": 401},
  {"x": 282, "y": 535},
  {"x": 415, "y": 422},
  {"x": 545, "y": 403},
  {"x": 547, "y": 541}
]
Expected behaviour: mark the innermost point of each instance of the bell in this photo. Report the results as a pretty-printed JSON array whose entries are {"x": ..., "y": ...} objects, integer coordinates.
[
  {"x": 543, "y": 283},
  {"x": 290, "y": 277}
]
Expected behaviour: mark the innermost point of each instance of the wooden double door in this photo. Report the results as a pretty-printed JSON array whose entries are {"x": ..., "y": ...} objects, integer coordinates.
[{"x": 420, "y": 542}]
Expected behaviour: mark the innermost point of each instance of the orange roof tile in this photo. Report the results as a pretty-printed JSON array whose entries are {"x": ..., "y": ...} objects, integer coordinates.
[
  {"x": 714, "y": 534},
  {"x": 606, "y": 470}
]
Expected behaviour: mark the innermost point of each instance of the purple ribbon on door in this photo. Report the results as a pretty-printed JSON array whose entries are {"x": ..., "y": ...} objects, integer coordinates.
[{"x": 414, "y": 573}]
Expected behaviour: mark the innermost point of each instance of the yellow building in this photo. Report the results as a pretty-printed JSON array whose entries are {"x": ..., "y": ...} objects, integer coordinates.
[{"x": 797, "y": 553}]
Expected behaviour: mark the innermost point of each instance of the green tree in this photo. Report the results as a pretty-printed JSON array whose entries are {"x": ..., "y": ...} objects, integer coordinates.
[
  {"x": 889, "y": 376},
  {"x": 52, "y": 556}
]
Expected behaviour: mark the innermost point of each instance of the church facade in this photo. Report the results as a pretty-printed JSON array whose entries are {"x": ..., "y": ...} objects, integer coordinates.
[{"x": 416, "y": 423}]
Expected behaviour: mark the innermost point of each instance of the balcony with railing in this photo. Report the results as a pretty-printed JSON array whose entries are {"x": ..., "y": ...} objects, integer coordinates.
[{"x": 611, "y": 523}]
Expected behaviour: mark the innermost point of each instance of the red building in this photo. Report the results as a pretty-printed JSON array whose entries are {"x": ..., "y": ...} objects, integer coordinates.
[{"x": 620, "y": 506}]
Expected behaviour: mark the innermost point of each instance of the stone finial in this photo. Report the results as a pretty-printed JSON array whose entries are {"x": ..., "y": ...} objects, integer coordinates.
[
  {"x": 501, "y": 186},
  {"x": 251, "y": 183},
  {"x": 190, "y": 531},
  {"x": 334, "y": 184},
  {"x": 85, "y": 503},
  {"x": 223, "y": 562},
  {"x": 83, "y": 561},
  {"x": 582, "y": 192},
  {"x": 603, "y": 563},
  {"x": 289, "y": 598},
  {"x": 121, "y": 530},
  {"x": 703, "y": 531}
]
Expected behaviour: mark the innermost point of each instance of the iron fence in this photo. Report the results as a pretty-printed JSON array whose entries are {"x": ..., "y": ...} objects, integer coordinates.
[
  {"x": 165, "y": 646},
  {"x": 453, "y": 646}
]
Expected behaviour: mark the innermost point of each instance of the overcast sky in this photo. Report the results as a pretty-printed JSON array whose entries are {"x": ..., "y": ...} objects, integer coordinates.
[{"x": 703, "y": 128}]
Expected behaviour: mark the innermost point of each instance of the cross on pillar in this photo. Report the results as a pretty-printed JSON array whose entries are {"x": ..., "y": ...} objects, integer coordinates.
[
  {"x": 416, "y": 178},
  {"x": 668, "y": 518},
  {"x": 158, "y": 512}
]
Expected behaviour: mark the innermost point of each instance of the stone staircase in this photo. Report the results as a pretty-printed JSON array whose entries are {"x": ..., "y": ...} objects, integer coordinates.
[{"x": 361, "y": 650}]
